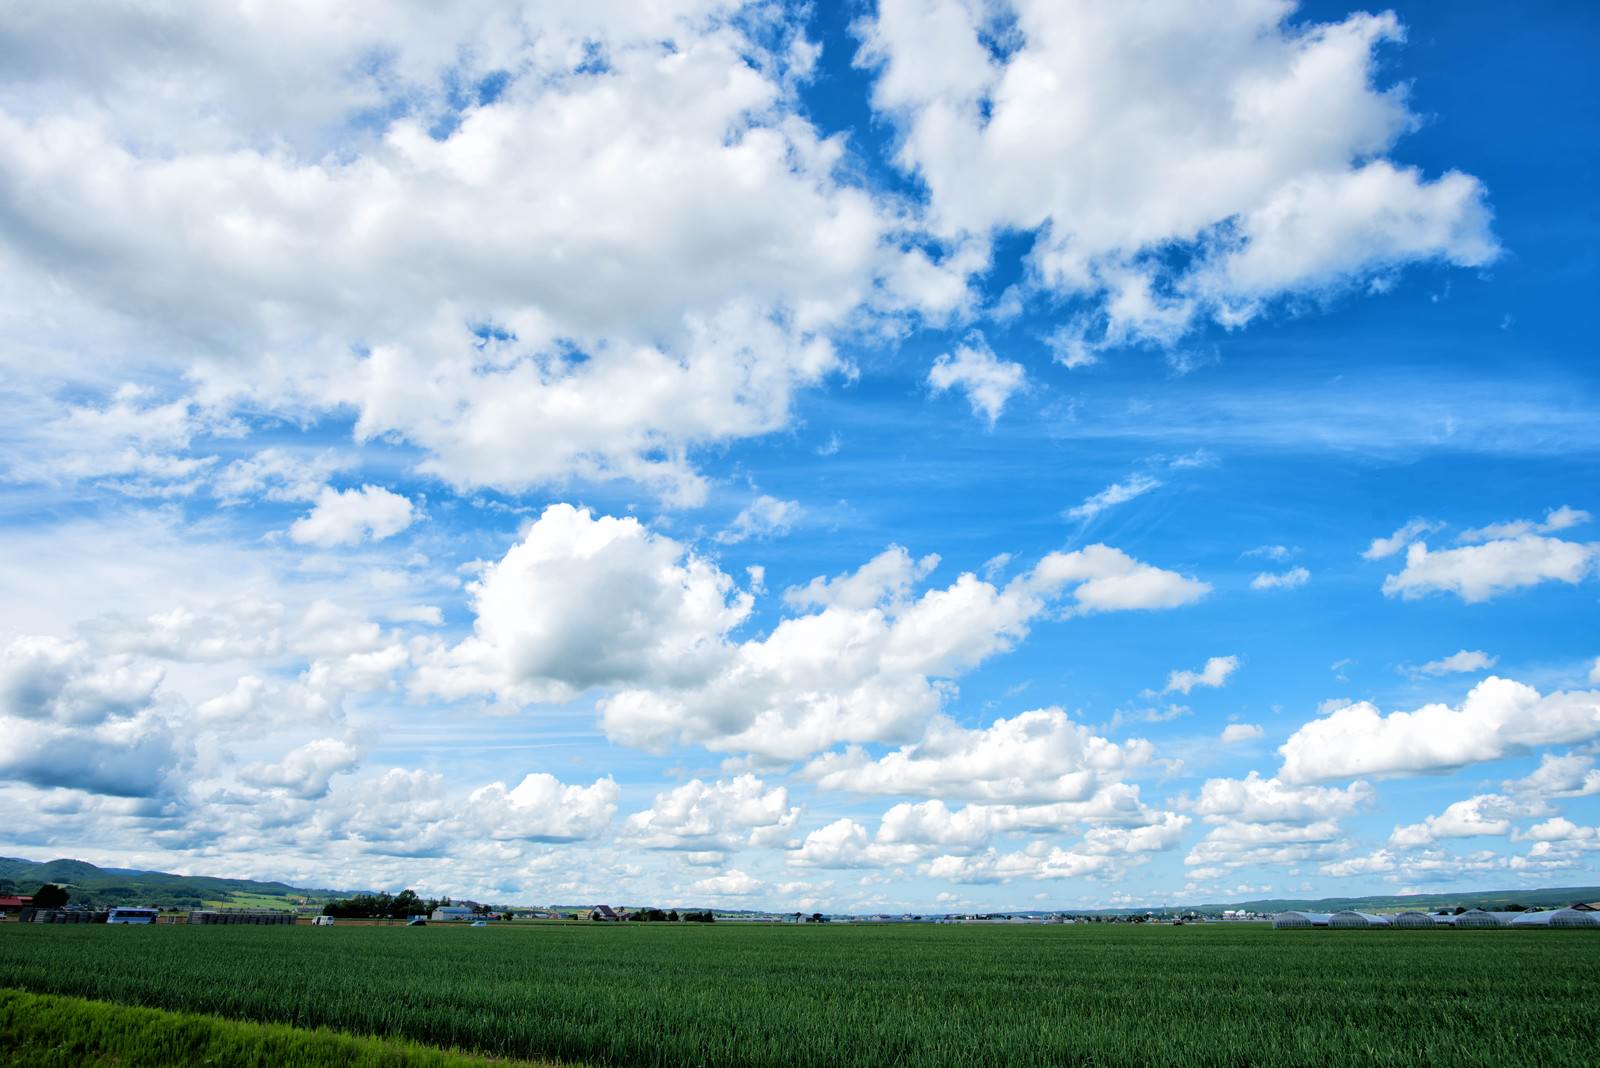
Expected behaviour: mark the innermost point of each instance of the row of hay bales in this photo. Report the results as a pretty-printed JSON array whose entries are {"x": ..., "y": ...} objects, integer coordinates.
[
  {"x": 1473, "y": 918},
  {"x": 251, "y": 916}
]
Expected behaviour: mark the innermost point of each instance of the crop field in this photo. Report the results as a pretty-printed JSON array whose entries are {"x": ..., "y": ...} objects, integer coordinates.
[
  {"x": 52, "y": 1031},
  {"x": 856, "y": 995}
]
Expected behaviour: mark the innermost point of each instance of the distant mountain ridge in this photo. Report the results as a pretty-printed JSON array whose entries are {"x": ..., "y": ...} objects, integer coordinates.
[
  {"x": 1539, "y": 897},
  {"x": 91, "y": 884},
  {"x": 1542, "y": 897}
]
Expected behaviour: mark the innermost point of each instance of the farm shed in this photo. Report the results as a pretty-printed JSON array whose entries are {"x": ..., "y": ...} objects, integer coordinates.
[
  {"x": 1478, "y": 918},
  {"x": 453, "y": 912},
  {"x": 1557, "y": 918},
  {"x": 1351, "y": 918},
  {"x": 604, "y": 912},
  {"x": 1300, "y": 919},
  {"x": 1415, "y": 920}
]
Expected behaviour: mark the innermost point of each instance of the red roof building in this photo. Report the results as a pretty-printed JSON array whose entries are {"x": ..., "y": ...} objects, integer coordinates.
[{"x": 15, "y": 902}]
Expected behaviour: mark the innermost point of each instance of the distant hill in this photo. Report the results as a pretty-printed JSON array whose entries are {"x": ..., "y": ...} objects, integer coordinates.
[
  {"x": 1489, "y": 899},
  {"x": 1542, "y": 897},
  {"x": 92, "y": 885}
]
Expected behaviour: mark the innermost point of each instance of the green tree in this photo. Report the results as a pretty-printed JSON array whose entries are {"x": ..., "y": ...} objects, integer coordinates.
[{"x": 50, "y": 896}]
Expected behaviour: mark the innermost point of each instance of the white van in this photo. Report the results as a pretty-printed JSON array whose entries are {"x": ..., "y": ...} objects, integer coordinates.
[{"x": 322, "y": 921}]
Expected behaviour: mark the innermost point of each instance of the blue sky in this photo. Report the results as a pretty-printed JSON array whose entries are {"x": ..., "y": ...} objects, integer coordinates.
[{"x": 917, "y": 456}]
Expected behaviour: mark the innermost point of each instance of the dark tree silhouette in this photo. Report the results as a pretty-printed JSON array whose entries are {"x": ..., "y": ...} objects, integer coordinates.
[{"x": 50, "y": 896}]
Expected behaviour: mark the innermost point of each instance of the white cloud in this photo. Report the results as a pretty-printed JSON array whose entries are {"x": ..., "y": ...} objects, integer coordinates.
[
  {"x": 306, "y": 771},
  {"x": 1557, "y": 519},
  {"x": 1498, "y": 717},
  {"x": 1465, "y": 661},
  {"x": 987, "y": 381},
  {"x": 932, "y": 826},
  {"x": 1567, "y": 775},
  {"x": 1108, "y": 580},
  {"x": 430, "y": 615},
  {"x": 714, "y": 817},
  {"x": 1163, "y": 834},
  {"x": 1257, "y": 800},
  {"x": 352, "y": 516},
  {"x": 1383, "y": 548},
  {"x": 1254, "y": 142},
  {"x": 124, "y": 756},
  {"x": 1279, "y": 553},
  {"x": 1421, "y": 865},
  {"x": 1214, "y": 674},
  {"x": 541, "y": 808},
  {"x": 1594, "y": 671},
  {"x": 1036, "y": 756},
  {"x": 731, "y": 883},
  {"x": 582, "y": 602},
  {"x": 992, "y": 867},
  {"x": 1291, "y": 579},
  {"x": 1240, "y": 732},
  {"x": 44, "y": 678},
  {"x": 1232, "y": 844},
  {"x": 868, "y": 672},
  {"x": 315, "y": 227},
  {"x": 1479, "y": 572},
  {"x": 277, "y": 474},
  {"x": 889, "y": 577},
  {"x": 1113, "y": 495},
  {"x": 1485, "y": 814},
  {"x": 844, "y": 843},
  {"x": 763, "y": 517},
  {"x": 70, "y": 718},
  {"x": 1377, "y": 863},
  {"x": 1560, "y": 829}
]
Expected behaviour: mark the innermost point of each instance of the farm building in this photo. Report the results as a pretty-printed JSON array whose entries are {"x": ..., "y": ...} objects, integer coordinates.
[
  {"x": 1300, "y": 919},
  {"x": 14, "y": 904},
  {"x": 1557, "y": 918},
  {"x": 1477, "y": 918},
  {"x": 605, "y": 913},
  {"x": 453, "y": 912},
  {"x": 1419, "y": 920},
  {"x": 1349, "y": 918}
]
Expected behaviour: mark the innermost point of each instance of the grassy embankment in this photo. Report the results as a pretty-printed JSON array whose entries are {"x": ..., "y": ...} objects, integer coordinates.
[{"x": 50, "y": 1031}]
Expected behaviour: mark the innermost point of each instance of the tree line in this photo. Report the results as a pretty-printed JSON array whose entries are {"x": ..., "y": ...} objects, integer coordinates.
[
  {"x": 670, "y": 916},
  {"x": 387, "y": 906}
]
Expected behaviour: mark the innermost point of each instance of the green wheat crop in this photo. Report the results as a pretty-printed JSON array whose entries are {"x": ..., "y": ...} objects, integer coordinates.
[{"x": 858, "y": 995}]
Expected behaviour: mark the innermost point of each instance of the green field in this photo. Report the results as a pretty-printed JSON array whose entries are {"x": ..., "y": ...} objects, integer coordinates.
[
  {"x": 51, "y": 1031},
  {"x": 852, "y": 995}
]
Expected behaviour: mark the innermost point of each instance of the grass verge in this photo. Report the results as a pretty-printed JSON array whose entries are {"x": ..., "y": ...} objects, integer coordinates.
[{"x": 51, "y": 1031}]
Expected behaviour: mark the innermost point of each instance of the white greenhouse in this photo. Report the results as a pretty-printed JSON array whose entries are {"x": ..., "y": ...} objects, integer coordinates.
[
  {"x": 1300, "y": 919},
  {"x": 1478, "y": 918},
  {"x": 1558, "y": 918},
  {"x": 1352, "y": 918},
  {"x": 1419, "y": 920}
]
